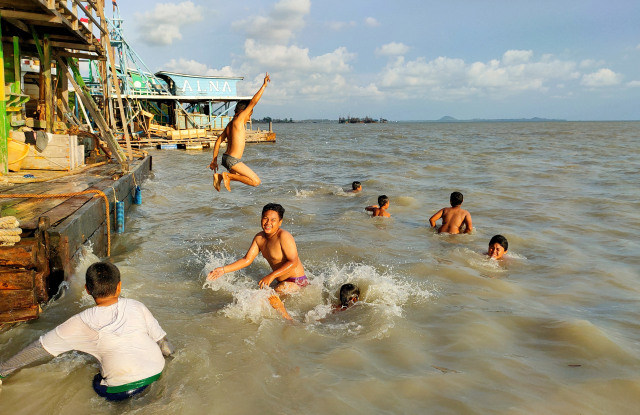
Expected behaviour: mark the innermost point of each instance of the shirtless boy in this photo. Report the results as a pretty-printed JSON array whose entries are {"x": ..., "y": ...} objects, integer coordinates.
[
  {"x": 498, "y": 246},
  {"x": 381, "y": 208},
  {"x": 278, "y": 247},
  {"x": 356, "y": 187},
  {"x": 453, "y": 218},
  {"x": 234, "y": 133}
]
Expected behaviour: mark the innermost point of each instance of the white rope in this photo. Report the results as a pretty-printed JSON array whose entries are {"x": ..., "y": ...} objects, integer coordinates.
[{"x": 9, "y": 231}]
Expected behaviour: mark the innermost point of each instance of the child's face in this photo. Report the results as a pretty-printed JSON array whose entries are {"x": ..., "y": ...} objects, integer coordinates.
[
  {"x": 270, "y": 222},
  {"x": 496, "y": 251}
]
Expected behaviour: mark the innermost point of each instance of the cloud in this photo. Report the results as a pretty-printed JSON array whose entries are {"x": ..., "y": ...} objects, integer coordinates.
[
  {"x": 392, "y": 49},
  {"x": 193, "y": 67},
  {"x": 633, "y": 84},
  {"x": 161, "y": 26},
  {"x": 371, "y": 22},
  {"x": 451, "y": 79},
  {"x": 280, "y": 25},
  {"x": 602, "y": 78}
]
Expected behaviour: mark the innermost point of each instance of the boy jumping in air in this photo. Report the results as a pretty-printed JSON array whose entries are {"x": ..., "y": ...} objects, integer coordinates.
[{"x": 235, "y": 134}]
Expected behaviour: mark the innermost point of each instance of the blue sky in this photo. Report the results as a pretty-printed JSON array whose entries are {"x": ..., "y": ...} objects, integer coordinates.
[{"x": 405, "y": 59}]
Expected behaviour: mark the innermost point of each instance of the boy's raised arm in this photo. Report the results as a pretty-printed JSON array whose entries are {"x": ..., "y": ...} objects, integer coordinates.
[{"x": 258, "y": 95}]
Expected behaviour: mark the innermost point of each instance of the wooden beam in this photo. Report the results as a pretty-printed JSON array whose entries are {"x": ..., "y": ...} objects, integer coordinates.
[
  {"x": 35, "y": 17},
  {"x": 18, "y": 24},
  {"x": 63, "y": 52},
  {"x": 66, "y": 45}
]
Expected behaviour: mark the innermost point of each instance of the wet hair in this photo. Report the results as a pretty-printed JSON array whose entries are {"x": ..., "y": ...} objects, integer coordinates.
[
  {"x": 275, "y": 207},
  {"x": 456, "y": 199},
  {"x": 102, "y": 279},
  {"x": 241, "y": 105},
  {"x": 355, "y": 185},
  {"x": 382, "y": 200},
  {"x": 501, "y": 240},
  {"x": 348, "y": 292}
]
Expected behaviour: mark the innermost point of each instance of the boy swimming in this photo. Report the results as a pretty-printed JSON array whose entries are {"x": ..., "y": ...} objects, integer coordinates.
[
  {"x": 356, "y": 187},
  {"x": 234, "y": 133},
  {"x": 121, "y": 333},
  {"x": 453, "y": 218},
  {"x": 278, "y": 247},
  {"x": 349, "y": 295},
  {"x": 498, "y": 246},
  {"x": 381, "y": 208}
]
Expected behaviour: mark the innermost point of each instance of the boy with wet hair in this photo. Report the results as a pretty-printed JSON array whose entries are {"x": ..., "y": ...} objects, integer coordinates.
[
  {"x": 498, "y": 246},
  {"x": 278, "y": 247},
  {"x": 349, "y": 295},
  {"x": 120, "y": 333},
  {"x": 356, "y": 187},
  {"x": 234, "y": 133},
  {"x": 453, "y": 218},
  {"x": 381, "y": 208}
]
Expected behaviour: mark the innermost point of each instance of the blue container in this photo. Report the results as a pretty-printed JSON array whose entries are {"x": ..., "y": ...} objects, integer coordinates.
[
  {"x": 137, "y": 196},
  {"x": 119, "y": 217}
]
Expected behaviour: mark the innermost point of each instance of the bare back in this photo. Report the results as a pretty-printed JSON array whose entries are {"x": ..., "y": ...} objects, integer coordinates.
[{"x": 453, "y": 219}]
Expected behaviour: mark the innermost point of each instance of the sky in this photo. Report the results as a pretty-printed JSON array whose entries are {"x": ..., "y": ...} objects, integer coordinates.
[{"x": 404, "y": 59}]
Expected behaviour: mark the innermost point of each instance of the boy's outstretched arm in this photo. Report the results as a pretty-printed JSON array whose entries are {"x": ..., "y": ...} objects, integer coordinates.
[
  {"x": 371, "y": 208},
  {"x": 30, "y": 354},
  {"x": 251, "y": 254},
  {"x": 433, "y": 219}
]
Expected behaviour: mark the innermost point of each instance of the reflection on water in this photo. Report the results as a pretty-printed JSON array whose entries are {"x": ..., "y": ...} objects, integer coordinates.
[{"x": 440, "y": 328}]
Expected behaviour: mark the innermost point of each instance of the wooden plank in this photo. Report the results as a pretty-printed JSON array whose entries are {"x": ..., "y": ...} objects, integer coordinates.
[
  {"x": 25, "y": 314},
  {"x": 58, "y": 213},
  {"x": 16, "y": 299},
  {"x": 17, "y": 279},
  {"x": 22, "y": 254},
  {"x": 41, "y": 285}
]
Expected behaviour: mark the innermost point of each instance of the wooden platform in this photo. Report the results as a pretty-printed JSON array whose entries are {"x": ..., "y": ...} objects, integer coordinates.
[{"x": 54, "y": 230}]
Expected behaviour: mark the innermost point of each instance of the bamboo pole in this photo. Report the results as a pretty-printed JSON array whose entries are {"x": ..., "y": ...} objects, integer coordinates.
[
  {"x": 4, "y": 133},
  {"x": 48, "y": 93}
]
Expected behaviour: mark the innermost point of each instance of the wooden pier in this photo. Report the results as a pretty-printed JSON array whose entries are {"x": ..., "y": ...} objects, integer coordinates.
[{"x": 56, "y": 228}]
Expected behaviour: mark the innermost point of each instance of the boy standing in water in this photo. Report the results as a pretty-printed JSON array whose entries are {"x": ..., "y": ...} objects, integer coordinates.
[
  {"x": 121, "y": 333},
  {"x": 498, "y": 246},
  {"x": 381, "y": 208},
  {"x": 453, "y": 218},
  {"x": 234, "y": 133},
  {"x": 278, "y": 247}
]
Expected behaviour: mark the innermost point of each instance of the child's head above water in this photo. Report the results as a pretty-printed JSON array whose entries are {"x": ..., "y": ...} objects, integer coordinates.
[
  {"x": 456, "y": 199},
  {"x": 498, "y": 246},
  {"x": 349, "y": 295},
  {"x": 102, "y": 279},
  {"x": 382, "y": 200},
  {"x": 356, "y": 186}
]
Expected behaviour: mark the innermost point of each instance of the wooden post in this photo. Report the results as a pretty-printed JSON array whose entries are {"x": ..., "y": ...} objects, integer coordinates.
[
  {"x": 62, "y": 92},
  {"x": 4, "y": 133},
  {"x": 48, "y": 93},
  {"x": 17, "y": 89}
]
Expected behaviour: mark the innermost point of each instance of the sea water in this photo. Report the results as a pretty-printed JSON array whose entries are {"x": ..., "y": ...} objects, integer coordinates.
[{"x": 553, "y": 328}]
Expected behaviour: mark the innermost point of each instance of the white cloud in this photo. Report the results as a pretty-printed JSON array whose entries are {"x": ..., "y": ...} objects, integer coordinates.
[
  {"x": 279, "y": 26},
  {"x": 511, "y": 57},
  {"x": 602, "y": 78},
  {"x": 161, "y": 26},
  {"x": 633, "y": 84},
  {"x": 449, "y": 79},
  {"x": 392, "y": 49},
  {"x": 294, "y": 58},
  {"x": 371, "y": 22},
  {"x": 193, "y": 67},
  {"x": 591, "y": 63}
]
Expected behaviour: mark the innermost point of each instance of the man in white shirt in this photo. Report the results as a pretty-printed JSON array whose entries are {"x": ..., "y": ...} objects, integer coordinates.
[{"x": 120, "y": 333}]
